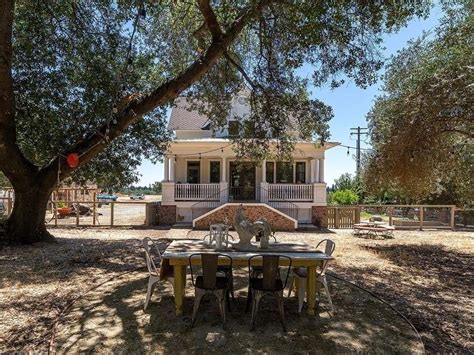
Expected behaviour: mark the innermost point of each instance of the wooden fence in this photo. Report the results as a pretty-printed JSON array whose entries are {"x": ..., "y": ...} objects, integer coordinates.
[
  {"x": 343, "y": 217},
  {"x": 402, "y": 216},
  {"x": 118, "y": 213}
]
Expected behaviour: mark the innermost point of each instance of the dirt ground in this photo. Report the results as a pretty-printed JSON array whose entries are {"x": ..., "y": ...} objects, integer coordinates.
[{"x": 425, "y": 275}]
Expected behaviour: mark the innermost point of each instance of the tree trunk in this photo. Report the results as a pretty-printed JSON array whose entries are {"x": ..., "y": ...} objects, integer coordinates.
[{"x": 26, "y": 223}]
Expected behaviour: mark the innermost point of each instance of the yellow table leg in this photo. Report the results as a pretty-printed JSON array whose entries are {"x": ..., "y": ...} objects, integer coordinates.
[
  {"x": 179, "y": 283},
  {"x": 311, "y": 289}
]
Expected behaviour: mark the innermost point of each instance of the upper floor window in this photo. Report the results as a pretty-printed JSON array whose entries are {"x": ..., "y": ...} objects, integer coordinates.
[
  {"x": 234, "y": 127},
  {"x": 194, "y": 172}
]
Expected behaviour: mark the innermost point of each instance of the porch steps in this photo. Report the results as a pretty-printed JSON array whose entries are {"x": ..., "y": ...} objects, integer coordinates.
[{"x": 252, "y": 211}]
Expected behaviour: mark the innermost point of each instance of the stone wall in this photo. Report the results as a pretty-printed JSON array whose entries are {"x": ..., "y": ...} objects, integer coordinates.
[
  {"x": 252, "y": 213},
  {"x": 319, "y": 216},
  {"x": 166, "y": 214}
]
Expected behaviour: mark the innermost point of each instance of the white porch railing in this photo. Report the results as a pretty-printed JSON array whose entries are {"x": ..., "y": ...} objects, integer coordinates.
[
  {"x": 290, "y": 192},
  {"x": 195, "y": 192}
]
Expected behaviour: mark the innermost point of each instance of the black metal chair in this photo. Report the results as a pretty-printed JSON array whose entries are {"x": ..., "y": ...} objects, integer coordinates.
[
  {"x": 211, "y": 282},
  {"x": 271, "y": 282}
]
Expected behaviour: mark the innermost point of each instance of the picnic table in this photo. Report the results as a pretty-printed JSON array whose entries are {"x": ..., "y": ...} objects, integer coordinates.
[
  {"x": 373, "y": 230},
  {"x": 302, "y": 255}
]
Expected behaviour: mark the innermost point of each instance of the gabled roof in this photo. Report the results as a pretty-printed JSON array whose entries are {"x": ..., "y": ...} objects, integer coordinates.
[{"x": 184, "y": 119}]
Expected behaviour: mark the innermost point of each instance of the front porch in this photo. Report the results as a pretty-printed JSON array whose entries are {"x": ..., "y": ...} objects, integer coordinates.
[
  {"x": 226, "y": 180},
  {"x": 196, "y": 183}
]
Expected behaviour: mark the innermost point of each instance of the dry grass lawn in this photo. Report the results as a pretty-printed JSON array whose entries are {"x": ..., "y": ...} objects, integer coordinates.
[{"x": 426, "y": 275}]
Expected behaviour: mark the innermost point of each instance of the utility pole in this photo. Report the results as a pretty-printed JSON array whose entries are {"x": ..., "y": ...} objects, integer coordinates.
[{"x": 358, "y": 131}]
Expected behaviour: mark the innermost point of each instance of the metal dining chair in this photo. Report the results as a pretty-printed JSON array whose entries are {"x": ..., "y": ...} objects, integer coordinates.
[
  {"x": 300, "y": 274},
  {"x": 154, "y": 275},
  {"x": 210, "y": 282},
  {"x": 271, "y": 282}
]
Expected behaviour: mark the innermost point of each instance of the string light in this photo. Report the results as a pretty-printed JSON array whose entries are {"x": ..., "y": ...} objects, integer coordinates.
[{"x": 348, "y": 151}]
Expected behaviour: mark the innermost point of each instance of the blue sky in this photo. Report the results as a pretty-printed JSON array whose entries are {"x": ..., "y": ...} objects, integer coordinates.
[{"x": 350, "y": 105}]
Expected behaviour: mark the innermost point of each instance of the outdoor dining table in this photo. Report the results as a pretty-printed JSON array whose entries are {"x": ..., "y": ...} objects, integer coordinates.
[{"x": 178, "y": 252}]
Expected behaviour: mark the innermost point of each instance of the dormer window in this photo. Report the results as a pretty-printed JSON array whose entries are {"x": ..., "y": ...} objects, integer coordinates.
[{"x": 234, "y": 127}]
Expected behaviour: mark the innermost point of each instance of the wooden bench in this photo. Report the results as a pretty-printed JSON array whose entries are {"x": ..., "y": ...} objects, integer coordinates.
[{"x": 373, "y": 231}]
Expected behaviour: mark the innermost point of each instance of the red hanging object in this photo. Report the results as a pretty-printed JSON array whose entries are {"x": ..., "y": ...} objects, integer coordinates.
[{"x": 73, "y": 160}]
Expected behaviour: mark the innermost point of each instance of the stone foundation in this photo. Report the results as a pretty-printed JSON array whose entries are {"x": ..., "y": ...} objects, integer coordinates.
[
  {"x": 166, "y": 214},
  {"x": 319, "y": 216},
  {"x": 252, "y": 213}
]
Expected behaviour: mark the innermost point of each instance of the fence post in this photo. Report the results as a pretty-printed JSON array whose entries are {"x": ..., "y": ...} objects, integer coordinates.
[
  {"x": 336, "y": 217},
  {"x": 77, "y": 215},
  {"x": 112, "y": 214},
  {"x": 390, "y": 216},
  {"x": 55, "y": 211},
  {"x": 453, "y": 213},
  {"x": 94, "y": 211},
  {"x": 421, "y": 217},
  {"x": 357, "y": 214}
]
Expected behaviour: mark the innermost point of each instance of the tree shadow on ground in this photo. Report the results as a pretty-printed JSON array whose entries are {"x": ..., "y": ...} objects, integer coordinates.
[
  {"x": 430, "y": 283},
  {"x": 112, "y": 319}
]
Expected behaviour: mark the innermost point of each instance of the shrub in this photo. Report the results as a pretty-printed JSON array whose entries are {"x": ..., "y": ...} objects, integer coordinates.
[{"x": 344, "y": 197}]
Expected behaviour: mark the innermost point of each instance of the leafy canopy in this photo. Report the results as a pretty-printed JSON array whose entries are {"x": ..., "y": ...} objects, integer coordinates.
[
  {"x": 422, "y": 126},
  {"x": 344, "y": 197},
  {"x": 77, "y": 64}
]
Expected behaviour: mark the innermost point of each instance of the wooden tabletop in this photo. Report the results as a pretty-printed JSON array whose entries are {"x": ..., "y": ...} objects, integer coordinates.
[{"x": 182, "y": 249}]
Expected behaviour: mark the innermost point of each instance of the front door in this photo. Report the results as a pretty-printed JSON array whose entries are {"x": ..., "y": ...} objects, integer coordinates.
[{"x": 242, "y": 181}]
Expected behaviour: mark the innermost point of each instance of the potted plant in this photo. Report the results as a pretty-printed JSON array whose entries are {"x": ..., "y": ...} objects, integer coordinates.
[{"x": 63, "y": 209}]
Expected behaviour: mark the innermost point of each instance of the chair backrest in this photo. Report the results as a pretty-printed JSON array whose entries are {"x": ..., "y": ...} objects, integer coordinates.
[
  {"x": 151, "y": 248},
  {"x": 328, "y": 250},
  {"x": 209, "y": 262},
  {"x": 271, "y": 271}
]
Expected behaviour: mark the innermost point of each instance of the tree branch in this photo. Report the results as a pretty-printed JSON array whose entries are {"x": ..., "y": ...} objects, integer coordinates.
[
  {"x": 167, "y": 92},
  {"x": 254, "y": 85},
  {"x": 210, "y": 19}
]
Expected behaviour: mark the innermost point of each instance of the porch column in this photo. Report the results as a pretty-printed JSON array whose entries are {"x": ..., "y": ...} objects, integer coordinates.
[
  {"x": 264, "y": 184},
  {"x": 321, "y": 170},
  {"x": 312, "y": 168},
  {"x": 224, "y": 186},
  {"x": 172, "y": 168},
  {"x": 223, "y": 166},
  {"x": 316, "y": 170},
  {"x": 166, "y": 161}
]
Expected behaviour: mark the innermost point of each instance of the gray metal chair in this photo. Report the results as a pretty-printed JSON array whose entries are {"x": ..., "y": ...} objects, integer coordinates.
[
  {"x": 155, "y": 276},
  {"x": 210, "y": 282},
  {"x": 300, "y": 274},
  {"x": 271, "y": 282}
]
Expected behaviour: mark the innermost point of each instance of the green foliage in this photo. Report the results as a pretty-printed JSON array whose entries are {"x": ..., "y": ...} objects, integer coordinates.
[
  {"x": 4, "y": 182},
  {"x": 422, "y": 127},
  {"x": 70, "y": 71},
  {"x": 152, "y": 189},
  {"x": 344, "y": 197},
  {"x": 346, "y": 182}
]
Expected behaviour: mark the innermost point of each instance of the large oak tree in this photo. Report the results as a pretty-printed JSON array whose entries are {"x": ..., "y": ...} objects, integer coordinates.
[
  {"x": 422, "y": 126},
  {"x": 95, "y": 78}
]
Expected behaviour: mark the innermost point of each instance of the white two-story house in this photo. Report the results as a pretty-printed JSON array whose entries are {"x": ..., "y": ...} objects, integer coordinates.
[{"x": 204, "y": 182}]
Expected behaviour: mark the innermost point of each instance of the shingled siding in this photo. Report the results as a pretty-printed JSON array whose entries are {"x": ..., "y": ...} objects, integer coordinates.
[
  {"x": 252, "y": 213},
  {"x": 319, "y": 216}
]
